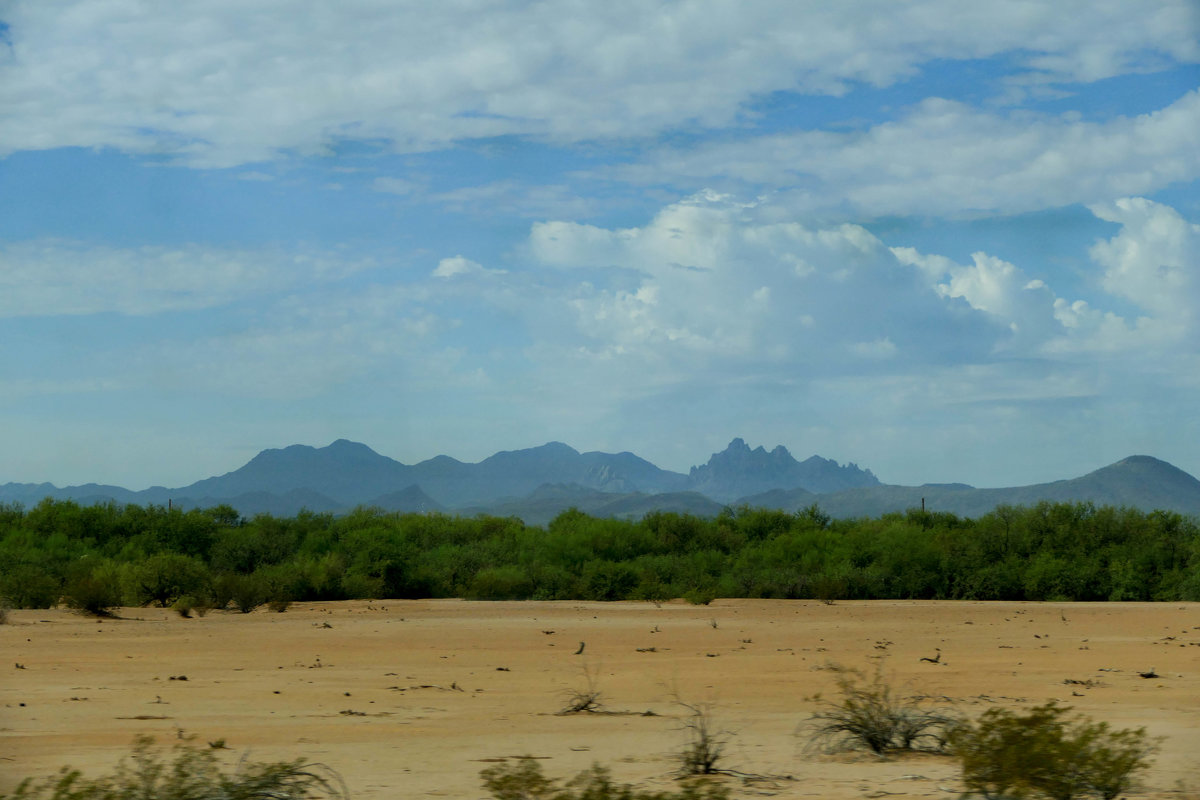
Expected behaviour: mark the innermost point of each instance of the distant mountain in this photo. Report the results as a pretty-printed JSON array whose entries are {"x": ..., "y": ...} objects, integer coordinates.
[
  {"x": 408, "y": 501},
  {"x": 548, "y": 501},
  {"x": 347, "y": 472},
  {"x": 1137, "y": 481},
  {"x": 538, "y": 483},
  {"x": 350, "y": 474},
  {"x": 516, "y": 473},
  {"x": 739, "y": 471}
]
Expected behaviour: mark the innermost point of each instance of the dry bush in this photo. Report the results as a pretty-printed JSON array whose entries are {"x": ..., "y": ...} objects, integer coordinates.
[
  {"x": 871, "y": 714},
  {"x": 524, "y": 780},
  {"x": 586, "y": 699},
  {"x": 705, "y": 745},
  {"x": 192, "y": 774}
]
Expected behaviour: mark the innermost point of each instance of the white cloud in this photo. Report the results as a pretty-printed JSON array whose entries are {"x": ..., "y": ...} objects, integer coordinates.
[
  {"x": 308, "y": 345},
  {"x": 50, "y": 277},
  {"x": 945, "y": 158},
  {"x": 879, "y": 348},
  {"x": 512, "y": 198},
  {"x": 459, "y": 266},
  {"x": 1154, "y": 261},
  {"x": 395, "y": 186},
  {"x": 227, "y": 82}
]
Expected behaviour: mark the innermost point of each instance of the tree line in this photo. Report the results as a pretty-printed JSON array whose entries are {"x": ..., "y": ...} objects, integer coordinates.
[{"x": 96, "y": 557}]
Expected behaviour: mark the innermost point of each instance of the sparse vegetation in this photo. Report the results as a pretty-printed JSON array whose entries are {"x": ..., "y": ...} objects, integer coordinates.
[
  {"x": 524, "y": 780},
  {"x": 870, "y": 714},
  {"x": 192, "y": 774},
  {"x": 705, "y": 745},
  {"x": 1047, "y": 753}
]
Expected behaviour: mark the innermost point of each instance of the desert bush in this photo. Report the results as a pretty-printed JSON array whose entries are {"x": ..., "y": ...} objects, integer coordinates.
[
  {"x": 247, "y": 592},
  {"x": 524, "y": 780},
  {"x": 183, "y": 607},
  {"x": 871, "y": 714},
  {"x": 4, "y": 606},
  {"x": 705, "y": 745},
  {"x": 586, "y": 698},
  {"x": 700, "y": 597},
  {"x": 1047, "y": 753},
  {"x": 192, "y": 774},
  {"x": 198, "y": 604}
]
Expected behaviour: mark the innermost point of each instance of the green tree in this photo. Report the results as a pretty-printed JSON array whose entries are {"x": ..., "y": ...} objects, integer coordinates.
[{"x": 164, "y": 578}]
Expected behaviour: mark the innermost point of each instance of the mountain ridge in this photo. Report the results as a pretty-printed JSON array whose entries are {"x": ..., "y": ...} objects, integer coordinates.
[{"x": 537, "y": 483}]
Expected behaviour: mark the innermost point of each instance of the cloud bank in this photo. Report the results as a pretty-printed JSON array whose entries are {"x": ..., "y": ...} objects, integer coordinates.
[{"x": 225, "y": 83}]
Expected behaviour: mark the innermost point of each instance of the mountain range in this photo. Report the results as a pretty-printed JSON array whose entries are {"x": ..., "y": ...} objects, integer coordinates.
[{"x": 538, "y": 483}]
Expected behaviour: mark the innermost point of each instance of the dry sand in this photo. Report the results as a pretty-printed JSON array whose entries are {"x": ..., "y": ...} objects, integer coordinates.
[{"x": 414, "y": 698}]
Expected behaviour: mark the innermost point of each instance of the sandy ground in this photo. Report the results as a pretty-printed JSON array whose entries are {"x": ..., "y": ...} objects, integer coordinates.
[{"x": 414, "y": 698}]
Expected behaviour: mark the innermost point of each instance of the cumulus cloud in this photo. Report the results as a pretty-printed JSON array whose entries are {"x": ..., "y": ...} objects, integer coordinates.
[
  {"x": 712, "y": 287},
  {"x": 946, "y": 158},
  {"x": 1154, "y": 261},
  {"x": 710, "y": 281},
  {"x": 227, "y": 82},
  {"x": 51, "y": 277}
]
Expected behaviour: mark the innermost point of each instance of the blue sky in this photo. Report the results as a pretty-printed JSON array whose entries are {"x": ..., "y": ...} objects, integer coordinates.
[{"x": 945, "y": 241}]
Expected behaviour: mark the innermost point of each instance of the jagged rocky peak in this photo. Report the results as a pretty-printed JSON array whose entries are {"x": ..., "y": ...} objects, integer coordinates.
[
  {"x": 739, "y": 470},
  {"x": 739, "y": 456}
]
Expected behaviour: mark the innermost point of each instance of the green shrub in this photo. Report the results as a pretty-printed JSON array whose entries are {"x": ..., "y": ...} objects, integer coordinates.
[
  {"x": 193, "y": 774},
  {"x": 1045, "y": 753},
  {"x": 247, "y": 592},
  {"x": 870, "y": 714},
  {"x": 524, "y": 780},
  {"x": 30, "y": 586},
  {"x": 93, "y": 588}
]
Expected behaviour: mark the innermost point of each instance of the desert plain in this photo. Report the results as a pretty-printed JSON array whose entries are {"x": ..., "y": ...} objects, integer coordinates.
[{"x": 414, "y": 698}]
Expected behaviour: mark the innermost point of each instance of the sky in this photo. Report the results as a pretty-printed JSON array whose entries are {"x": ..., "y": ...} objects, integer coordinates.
[{"x": 946, "y": 241}]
